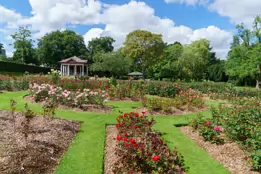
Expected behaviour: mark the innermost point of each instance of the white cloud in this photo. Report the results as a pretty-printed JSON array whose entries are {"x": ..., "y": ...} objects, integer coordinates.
[
  {"x": 50, "y": 15},
  {"x": 122, "y": 19},
  {"x": 237, "y": 10},
  {"x": 91, "y": 34},
  {"x": 119, "y": 20},
  {"x": 188, "y": 2},
  {"x": 8, "y": 16}
]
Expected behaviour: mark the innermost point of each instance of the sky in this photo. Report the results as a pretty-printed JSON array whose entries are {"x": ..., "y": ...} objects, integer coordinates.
[{"x": 184, "y": 21}]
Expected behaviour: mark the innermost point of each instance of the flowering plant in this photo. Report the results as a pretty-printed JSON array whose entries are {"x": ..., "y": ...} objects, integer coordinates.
[
  {"x": 142, "y": 150},
  {"x": 65, "y": 97}
]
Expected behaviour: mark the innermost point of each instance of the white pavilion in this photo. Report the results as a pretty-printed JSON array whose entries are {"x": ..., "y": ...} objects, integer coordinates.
[{"x": 74, "y": 66}]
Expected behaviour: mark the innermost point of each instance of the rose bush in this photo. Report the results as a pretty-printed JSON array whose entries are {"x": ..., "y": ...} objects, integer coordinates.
[
  {"x": 142, "y": 150},
  {"x": 65, "y": 97},
  {"x": 187, "y": 98},
  {"x": 241, "y": 123}
]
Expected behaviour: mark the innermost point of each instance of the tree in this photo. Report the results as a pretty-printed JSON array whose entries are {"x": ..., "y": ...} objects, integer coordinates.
[
  {"x": 55, "y": 46},
  {"x": 169, "y": 65},
  {"x": 257, "y": 28},
  {"x": 113, "y": 62},
  {"x": 23, "y": 44},
  {"x": 195, "y": 59},
  {"x": 144, "y": 47},
  {"x": 244, "y": 57},
  {"x": 102, "y": 44}
]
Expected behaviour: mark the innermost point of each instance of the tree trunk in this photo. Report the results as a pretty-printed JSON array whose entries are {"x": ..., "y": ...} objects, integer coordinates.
[{"x": 257, "y": 84}]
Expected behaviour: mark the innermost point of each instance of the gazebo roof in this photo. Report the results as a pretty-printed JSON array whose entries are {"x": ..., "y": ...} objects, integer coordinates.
[
  {"x": 135, "y": 74},
  {"x": 74, "y": 59}
]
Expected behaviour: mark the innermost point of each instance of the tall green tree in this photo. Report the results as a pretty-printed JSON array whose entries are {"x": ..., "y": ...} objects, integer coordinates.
[
  {"x": 257, "y": 28},
  {"x": 58, "y": 45},
  {"x": 145, "y": 48},
  {"x": 195, "y": 59},
  {"x": 23, "y": 44},
  {"x": 169, "y": 67},
  {"x": 102, "y": 44},
  {"x": 244, "y": 57},
  {"x": 114, "y": 63}
]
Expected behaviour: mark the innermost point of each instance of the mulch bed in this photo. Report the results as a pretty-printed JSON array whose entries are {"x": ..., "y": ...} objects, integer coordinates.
[
  {"x": 230, "y": 155},
  {"x": 174, "y": 111},
  {"x": 110, "y": 156},
  {"x": 85, "y": 108},
  {"x": 48, "y": 140}
]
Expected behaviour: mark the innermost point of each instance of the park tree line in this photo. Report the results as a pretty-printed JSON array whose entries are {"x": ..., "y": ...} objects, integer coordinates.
[{"x": 146, "y": 52}]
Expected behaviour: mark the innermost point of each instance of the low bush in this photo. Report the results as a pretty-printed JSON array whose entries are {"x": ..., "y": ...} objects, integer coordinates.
[
  {"x": 57, "y": 94},
  {"x": 188, "y": 99},
  {"x": 241, "y": 124},
  {"x": 142, "y": 150}
]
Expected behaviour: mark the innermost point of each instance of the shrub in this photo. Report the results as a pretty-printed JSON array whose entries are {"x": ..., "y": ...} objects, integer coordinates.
[
  {"x": 188, "y": 98},
  {"x": 241, "y": 124},
  {"x": 142, "y": 150},
  {"x": 65, "y": 97}
]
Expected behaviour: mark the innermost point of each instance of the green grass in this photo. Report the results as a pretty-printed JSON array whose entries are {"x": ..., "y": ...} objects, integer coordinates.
[{"x": 87, "y": 151}]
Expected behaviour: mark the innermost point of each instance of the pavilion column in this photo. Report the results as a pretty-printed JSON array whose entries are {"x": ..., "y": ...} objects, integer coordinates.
[
  {"x": 61, "y": 67},
  {"x": 75, "y": 70},
  {"x": 68, "y": 70},
  {"x": 82, "y": 70}
]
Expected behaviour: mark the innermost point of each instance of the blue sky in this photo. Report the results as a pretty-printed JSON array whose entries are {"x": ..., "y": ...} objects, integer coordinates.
[{"x": 177, "y": 20}]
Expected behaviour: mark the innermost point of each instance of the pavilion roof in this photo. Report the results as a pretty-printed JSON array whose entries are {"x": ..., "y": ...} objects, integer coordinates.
[
  {"x": 74, "y": 58},
  {"x": 135, "y": 74}
]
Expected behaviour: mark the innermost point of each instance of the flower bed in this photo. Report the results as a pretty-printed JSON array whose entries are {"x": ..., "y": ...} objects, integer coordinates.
[
  {"x": 241, "y": 124},
  {"x": 187, "y": 100},
  {"x": 80, "y": 99},
  {"x": 141, "y": 150},
  {"x": 33, "y": 145}
]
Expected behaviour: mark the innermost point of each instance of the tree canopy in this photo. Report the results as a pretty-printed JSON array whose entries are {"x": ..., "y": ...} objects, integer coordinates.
[
  {"x": 98, "y": 45},
  {"x": 23, "y": 44},
  {"x": 114, "y": 63},
  {"x": 144, "y": 47},
  {"x": 59, "y": 45}
]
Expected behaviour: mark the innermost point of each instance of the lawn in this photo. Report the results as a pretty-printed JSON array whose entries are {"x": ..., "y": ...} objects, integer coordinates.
[{"x": 87, "y": 151}]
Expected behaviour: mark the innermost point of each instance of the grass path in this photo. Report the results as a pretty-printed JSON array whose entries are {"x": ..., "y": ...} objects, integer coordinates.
[{"x": 85, "y": 156}]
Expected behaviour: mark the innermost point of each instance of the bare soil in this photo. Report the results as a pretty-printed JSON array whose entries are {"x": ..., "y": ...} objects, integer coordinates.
[
  {"x": 110, "y": 156},
  {"x": 85, "y": 108},
  {"x": 173, "y": 112},
  {"x": 230, "y": 155},
  {"x": 48, "y": 139}
]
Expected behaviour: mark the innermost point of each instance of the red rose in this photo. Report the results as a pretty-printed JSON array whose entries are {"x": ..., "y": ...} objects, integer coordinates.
[
  {"x": 119, "y": 138},
  {"x": 127, "y": 145},
  {"x": 156, "y": 158},
  {"x": 141, "y": 117},
  {"x": 133, "y": 141},
  {"x": 125, "y": 115},
  {"x": 122, "y": 93},
  {"x": 143, "y": 112},
  {"x": 135, "y": 127},
  {"x": 149, "y": 155},
  {"x": 121, "y": 116},
  {"x": 131, "y": 172},
  {"x": 137, "y": 115},
  {"x": 135, "y": 146},
  {"x": 126, "y": 135},
  {"x": 118, "y": 125},
  {"x": 125, "y": 140}
]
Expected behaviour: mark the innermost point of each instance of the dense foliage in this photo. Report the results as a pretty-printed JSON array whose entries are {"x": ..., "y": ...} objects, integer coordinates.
[{"x": 239, "y": 123}]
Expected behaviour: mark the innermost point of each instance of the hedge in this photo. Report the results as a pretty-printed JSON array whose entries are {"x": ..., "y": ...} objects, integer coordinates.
[{"x": 15, "y": 67}]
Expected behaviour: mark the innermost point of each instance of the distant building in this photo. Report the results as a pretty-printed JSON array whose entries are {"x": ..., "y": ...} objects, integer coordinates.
[
  {"x": 74, "y": 66},
  {"x": 3, "y": 53}
]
